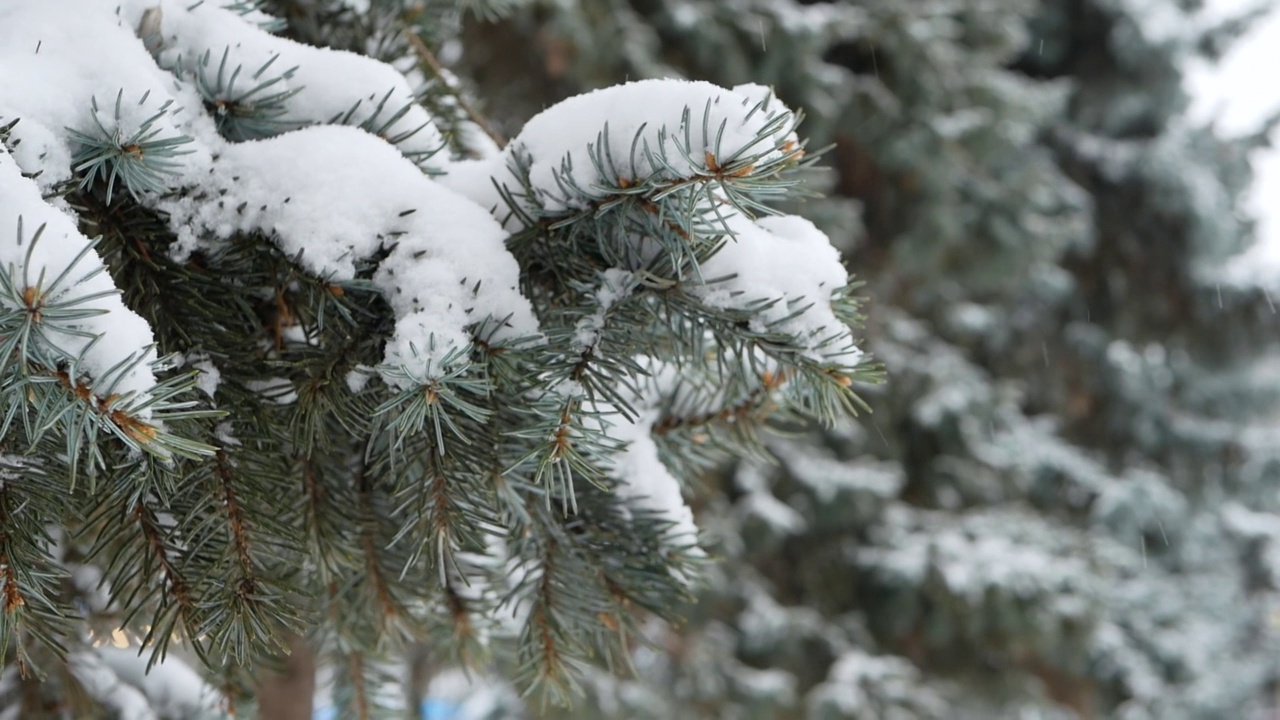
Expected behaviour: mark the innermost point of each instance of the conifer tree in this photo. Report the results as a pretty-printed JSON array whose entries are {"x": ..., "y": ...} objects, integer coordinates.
[
  {"x": 235, "y": 422},
  {"x": 292, "y": 344}
]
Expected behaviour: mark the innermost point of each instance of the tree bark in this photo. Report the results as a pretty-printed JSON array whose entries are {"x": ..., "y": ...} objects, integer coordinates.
[{"x": 288, "y": 695}]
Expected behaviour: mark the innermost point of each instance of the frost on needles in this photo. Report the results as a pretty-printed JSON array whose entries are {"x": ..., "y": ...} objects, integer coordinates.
[{"x": 420, "y": 393}]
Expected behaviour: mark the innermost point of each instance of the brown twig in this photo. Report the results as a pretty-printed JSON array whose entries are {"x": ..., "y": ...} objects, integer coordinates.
[
  {"x": 433, "y": 64},
  {"x": 355, "y": 667},
  {"x": 12, "y": 594},
  {"x": 369, "y": 544},
  {"x": 235, "y": 518},
  {"x": 755, "y": 400}
]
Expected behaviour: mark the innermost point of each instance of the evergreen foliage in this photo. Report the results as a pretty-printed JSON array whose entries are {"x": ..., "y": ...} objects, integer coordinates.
[
  {"x": 272, "y": 376},
  {"x": 271, "y": 369}
]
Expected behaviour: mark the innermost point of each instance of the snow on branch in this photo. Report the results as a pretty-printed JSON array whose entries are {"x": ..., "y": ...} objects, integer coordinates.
[
  {"x": 665, "y": 183},
  {"x": 329, "y": 195},
  {"x": 657, "y": 133},
  {"x": 670, "y": 298},
  {"x": 702, "y": 159},
  {"x": 788, "y": 269},
  {"x": 332, "y": 196},
  {"x": 255, "y": 84},
  {"x": 70, "y": 309}
]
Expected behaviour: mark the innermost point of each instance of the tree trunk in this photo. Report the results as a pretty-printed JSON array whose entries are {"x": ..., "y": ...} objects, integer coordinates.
[{"x": 288, "y": 695}]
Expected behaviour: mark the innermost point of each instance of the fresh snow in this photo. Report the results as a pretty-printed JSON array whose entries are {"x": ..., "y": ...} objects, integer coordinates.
[
  {"x": 667, "y": 131},
  {"x": 125, "y": 335},
  {"x": 448, "y": 269},
  {"x": 616, "y": 284},
  {"x": 783, "y": 264},
  {"x": 285, "y": 186},
  {"x": 209, "y": 377},
  {"x": 330, "y": 83},
  {"x": 631, "y": 132},
  {"x": 647, "y": 483},
  {"x": 358, "y": 378},
  {"x": 57, "y": 81}
]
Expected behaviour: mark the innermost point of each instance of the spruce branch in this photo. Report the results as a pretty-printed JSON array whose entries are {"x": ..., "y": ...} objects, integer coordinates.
[
  {"x": 35, "y": 617},
  {"x": 140, "y": 563},
  {"x": 754, "y": 408},
  {"x": 38, "y": 317},
  {"x": 257, "y": 109},
  {"x": 388, "y": 608},
  {"x": 257, "y": 610},
  {"x": 141, "y": 158},
  {"x": 355, "y": 674}
]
